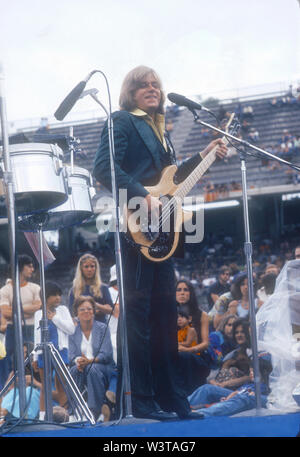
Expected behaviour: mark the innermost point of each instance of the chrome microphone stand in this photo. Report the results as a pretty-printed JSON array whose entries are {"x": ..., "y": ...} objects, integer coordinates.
[
  {"x": 248, "y": 245},
  {"x": 63, "y": 109},
  {"x": 11, "y": 215},
  {"x": 126, "y": 386}
]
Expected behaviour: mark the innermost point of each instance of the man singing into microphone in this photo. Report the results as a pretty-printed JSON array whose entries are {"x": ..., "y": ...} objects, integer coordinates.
[{"x": 142, "y": 152}]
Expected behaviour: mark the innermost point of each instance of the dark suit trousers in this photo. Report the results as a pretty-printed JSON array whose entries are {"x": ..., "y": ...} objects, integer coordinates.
[{"x": 151, "y": 319}]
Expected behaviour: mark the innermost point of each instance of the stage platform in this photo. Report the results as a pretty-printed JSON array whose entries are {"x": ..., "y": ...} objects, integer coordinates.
[{"x": 248, "y": 424}]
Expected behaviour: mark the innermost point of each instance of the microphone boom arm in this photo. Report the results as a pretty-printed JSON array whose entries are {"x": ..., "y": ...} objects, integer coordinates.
[{"x": 243, "y": 142}]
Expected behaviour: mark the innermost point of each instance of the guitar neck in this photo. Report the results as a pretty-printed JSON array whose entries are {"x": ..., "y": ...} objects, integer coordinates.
[{"x": 186, "y": 186}]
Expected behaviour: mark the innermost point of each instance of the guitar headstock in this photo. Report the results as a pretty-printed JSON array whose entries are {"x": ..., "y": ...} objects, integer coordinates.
[{"x": 232, "y": 124}]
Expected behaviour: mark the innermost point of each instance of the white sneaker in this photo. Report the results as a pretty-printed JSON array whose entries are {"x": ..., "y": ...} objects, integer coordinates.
[{"x": 73, "y": 418}]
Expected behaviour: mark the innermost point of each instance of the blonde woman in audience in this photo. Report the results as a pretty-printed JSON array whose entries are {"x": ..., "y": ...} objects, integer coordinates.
[{"x": 87, "y": 282}]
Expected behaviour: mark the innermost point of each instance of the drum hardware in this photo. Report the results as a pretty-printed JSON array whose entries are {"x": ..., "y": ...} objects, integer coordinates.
[
  {"x": 50, "y": 353},
  {"x": 61, "y": 140}
]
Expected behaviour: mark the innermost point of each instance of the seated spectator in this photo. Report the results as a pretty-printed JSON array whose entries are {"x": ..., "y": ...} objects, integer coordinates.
[
  {"x": 91, "y": 354},
  {"x": 221, "y": 341},
  {"x": 296, "y": 145},
  {"x": 286, "y": 136},
  {"x": 220, "y": 309},
  {"x": 247, "y": 112},
  {"x": 253, "y": 135},
  {"x": 194, "y": 361},
  {"x": 205, "y": 132},
  {"x": 235, "y": 367},
  {"x": 272, "y": 268},
  {"x": 240, "y": 306},
  {"x": 88, "y": 282},
  {"x": 172, "y": 111},
  {"x": 245, "y": 128},
  {"x": 268, "y": 282},
  {"x": 108, "y": 408},
  {"x": 4, "y": 361},
  {"x": 10, "y": 402},
  {"x": 212, "y": 400},
  {"x": 209, "y": 195},
  {"x": 274, "y": 102},
  {"x": 60, "y": 326},
  {"x": 265, "y": 161},
  {"x": 186, "y": 334},
  {"x": 235, "y": 186},
  {"x": 220, "y": 286},
  {"x": 297, "y": 252}
]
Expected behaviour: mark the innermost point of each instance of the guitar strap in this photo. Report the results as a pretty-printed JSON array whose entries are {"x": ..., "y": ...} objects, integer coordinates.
[{"x": 171, "y": 149}]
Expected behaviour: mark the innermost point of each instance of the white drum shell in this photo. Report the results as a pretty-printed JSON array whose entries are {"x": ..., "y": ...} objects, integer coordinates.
[
  {"x": 78, "y": 206},
  {"x": 38, "y": 179}
]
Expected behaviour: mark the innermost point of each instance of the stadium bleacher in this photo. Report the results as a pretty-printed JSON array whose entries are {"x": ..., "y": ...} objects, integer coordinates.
[{"x": 187, "y": 139}]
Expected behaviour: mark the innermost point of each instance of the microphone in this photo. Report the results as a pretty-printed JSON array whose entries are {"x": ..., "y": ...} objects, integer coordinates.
[
  {"x": 70, "y": 100},
  {"x": 180, "y": 100}
]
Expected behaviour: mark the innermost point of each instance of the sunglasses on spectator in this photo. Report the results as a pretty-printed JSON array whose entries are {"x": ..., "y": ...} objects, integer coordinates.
[
  {"x": 81, "y": 310},
  {"x": 184, "y": 289}
]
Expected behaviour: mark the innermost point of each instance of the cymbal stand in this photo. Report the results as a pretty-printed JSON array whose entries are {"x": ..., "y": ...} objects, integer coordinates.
[
  {"x": 50, "y": 353},
  {"x": 73, "y": 148}
]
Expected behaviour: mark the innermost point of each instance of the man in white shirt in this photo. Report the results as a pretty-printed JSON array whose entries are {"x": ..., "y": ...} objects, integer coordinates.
[{"x": 30, "y": 303}]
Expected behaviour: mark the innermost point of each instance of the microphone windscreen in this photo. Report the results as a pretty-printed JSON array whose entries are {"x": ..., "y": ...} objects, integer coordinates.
[
  {"x": 70, "y": 100},
  {"x": 176, "y": 98}
]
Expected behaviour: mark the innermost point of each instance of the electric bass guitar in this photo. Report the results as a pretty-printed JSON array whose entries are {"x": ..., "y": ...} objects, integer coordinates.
[{"x": 158, "y": 240}]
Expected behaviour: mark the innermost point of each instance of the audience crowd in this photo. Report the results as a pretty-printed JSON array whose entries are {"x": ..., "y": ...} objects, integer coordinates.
[{"x": 214, "y": 347}]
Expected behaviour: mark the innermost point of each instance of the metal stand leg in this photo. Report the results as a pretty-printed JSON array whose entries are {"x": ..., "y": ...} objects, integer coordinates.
[
  {"x": 49, "y": 351},
  {"x": 45, "y": 334},
  {"x": 64, "y": 375},
  {"x": 248, "y": 254},
  {"x": 11, "y": 214}
]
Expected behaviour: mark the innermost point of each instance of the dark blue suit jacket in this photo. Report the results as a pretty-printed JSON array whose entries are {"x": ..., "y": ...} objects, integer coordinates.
[
  {"x": 101, "y": 343},
  {"x": 140, "y": 157}
]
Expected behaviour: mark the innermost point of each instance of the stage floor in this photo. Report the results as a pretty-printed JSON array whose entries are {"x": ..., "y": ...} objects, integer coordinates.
[{"x": 248, "y": 424}]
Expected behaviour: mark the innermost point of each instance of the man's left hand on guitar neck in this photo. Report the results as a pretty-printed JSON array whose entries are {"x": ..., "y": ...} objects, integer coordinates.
[{"x": 221, "y": 148}]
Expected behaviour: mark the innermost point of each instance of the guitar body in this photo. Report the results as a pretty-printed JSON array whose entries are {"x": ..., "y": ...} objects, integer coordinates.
[
  {"x": 161, "y": 245},
  {"x": 159, "y": 241}
]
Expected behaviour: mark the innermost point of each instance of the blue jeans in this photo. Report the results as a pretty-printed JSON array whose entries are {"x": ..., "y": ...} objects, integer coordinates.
[{"x": 209, "y": 393}]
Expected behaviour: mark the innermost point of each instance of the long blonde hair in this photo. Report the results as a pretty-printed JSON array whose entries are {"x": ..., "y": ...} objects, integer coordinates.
[
  {"x": 132, "y": 82},
  {"x": 79, "y": 281}
]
